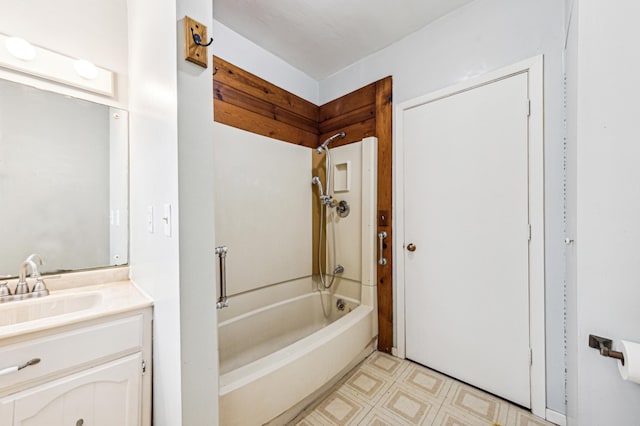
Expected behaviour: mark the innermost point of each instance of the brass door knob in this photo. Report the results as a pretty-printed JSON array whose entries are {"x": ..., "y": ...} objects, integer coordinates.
[{"x": 411, "y": 247}]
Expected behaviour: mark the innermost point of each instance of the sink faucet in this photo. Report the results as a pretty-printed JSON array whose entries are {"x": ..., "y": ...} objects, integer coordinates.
[
  {"x": 39, "y": 288},
  {"x": 22, "y": 288}
]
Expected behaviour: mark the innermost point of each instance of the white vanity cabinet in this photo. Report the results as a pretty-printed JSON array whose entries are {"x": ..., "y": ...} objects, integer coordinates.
[
  {"x": 93, "y": 373},
  {"x": 107, "y": 395}
]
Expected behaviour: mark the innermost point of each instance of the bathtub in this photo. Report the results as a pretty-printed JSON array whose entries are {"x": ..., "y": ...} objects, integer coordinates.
[{"x": 273, "y": 358}]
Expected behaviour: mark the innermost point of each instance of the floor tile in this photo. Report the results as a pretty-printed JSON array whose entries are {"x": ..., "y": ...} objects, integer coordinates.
[
  {"x": 519, "y": 417},
  {"x": 386, "y": 365},
  {"x": 308, "y": 420},
  {"x": 447, "y": 416},
  {"x": 426, "y": 381},
  {"x": 340, "y": 409},
  {"x": 380, "y": 417},
  {"x": 366, "y": 385},
  {"x": 388, "y": 391},
  {"x": 477, "y": 404},
  {"x": 402, "y": 402}
]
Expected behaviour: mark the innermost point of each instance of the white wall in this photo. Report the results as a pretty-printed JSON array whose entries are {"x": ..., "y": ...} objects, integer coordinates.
[
  {"x": 92, "y": 30},
  {"x": 247, "y": 55},
  {"x": 171, "y": 163},
  {"x": 153, "y": 134},
  {"x": 262, "y": 191},
  {"x": 604, "y": 62},
  {"x": 571, "y": 114},
  {"x": 198, "y": 316},
  {"x": 482, "y": 36}
]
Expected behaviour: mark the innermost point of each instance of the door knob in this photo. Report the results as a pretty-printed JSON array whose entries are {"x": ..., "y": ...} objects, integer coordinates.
[{"x": 411, "y": 247}]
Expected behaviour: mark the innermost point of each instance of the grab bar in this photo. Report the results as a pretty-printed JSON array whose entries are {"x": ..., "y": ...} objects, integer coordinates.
[
  {"x": 381, "y": 236},
  {"x": 223, "y": 301}
]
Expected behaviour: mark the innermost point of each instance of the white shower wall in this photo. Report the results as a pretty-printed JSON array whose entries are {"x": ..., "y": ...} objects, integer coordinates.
[
  {"x": 349, "y": 229},
  {"x": 356, "y": 240},
  {"x": 263, "y": 208}
]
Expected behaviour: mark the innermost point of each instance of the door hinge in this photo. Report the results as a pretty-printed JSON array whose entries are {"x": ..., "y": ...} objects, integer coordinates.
[
  {"x": 528, "y": 107},
  {"x": 528, "y": 232},
  {"x": 144, "y": 367},
  {"x": 530, "y": 356}
]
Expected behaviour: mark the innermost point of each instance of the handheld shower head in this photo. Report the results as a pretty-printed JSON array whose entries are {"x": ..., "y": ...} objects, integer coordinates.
[
  {"x": 328, "y": 141},
  {"x": 316, "y": 181}
]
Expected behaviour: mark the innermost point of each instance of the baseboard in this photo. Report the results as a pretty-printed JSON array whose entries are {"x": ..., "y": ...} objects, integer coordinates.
[
  {"x": 556, "y": 418},
  {"x": 394, "y": 351}
]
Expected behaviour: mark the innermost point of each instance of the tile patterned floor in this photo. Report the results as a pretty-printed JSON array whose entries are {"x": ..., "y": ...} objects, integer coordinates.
[{"x": 388, "y": 391}]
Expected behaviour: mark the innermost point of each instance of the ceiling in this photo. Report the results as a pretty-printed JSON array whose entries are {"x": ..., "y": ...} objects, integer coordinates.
[{"x": 321, "y": 37}]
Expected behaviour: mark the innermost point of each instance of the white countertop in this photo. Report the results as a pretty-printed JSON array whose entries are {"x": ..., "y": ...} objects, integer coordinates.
[{"x": 76, "y": 304}]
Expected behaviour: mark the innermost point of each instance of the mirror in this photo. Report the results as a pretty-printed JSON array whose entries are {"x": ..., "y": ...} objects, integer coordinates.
[{"x": 63, "y": 181}]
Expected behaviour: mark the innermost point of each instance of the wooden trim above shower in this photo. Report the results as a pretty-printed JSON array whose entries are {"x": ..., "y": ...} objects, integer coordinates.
[
  {"x": 247, "y": 102},
  {"x": 353, "y": 113}
]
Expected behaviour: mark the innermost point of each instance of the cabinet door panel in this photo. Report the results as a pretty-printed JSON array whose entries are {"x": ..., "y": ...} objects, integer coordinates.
[{"x": 102, "y": 396}]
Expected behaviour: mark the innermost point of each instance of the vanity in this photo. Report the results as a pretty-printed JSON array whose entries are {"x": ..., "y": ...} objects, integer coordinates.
[{"x": 80, "y": 356}]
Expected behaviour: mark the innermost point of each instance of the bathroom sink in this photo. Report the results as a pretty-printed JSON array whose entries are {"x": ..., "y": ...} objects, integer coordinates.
[{"x": 23, "y": 311}]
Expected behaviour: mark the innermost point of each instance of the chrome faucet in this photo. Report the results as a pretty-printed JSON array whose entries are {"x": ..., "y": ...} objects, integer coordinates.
[
  {"x": 22, "y": 287},
  {"x": 39, "y": 287}
]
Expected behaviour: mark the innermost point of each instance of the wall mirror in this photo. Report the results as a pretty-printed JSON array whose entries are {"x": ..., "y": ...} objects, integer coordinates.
[{"x": 64, "y": 177}]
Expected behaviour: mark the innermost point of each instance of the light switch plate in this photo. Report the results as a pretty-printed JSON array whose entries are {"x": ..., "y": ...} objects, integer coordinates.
[
  {"x": 192, "y": 52},
  {"x": 150, "y": 219},
  {"x": 166, "y": 218}
]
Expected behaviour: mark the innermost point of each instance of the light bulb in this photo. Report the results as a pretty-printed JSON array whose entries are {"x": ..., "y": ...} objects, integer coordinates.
[
  {"x": 85, "y": 69},
  {"x": 20, "y": 48}
]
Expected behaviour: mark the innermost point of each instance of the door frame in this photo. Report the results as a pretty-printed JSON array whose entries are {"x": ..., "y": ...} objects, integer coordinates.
[{"x": 534, "y": 68}]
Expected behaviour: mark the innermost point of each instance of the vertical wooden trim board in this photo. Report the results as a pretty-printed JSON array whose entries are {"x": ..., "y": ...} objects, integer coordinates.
[
  {"x": 247, "y": 102},
  {"x": 384, "y": 113}
]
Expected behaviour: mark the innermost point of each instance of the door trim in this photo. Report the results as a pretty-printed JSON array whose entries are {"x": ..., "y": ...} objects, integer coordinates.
[{"x": 535, "y": 70}]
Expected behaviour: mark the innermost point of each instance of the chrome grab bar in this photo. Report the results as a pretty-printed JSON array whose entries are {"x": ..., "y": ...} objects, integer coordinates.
[
  {"x": 381, "y": 236},
  {"x": 223, "y": 301}
]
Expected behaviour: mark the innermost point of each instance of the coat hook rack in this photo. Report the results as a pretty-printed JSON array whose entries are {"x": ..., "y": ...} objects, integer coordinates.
[
  {"x": 195, "y": 50},
  {"x": 198, "y": 40}
]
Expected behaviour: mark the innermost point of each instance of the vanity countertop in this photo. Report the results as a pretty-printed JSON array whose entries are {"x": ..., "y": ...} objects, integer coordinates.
[{"x": 69, "y": 306}]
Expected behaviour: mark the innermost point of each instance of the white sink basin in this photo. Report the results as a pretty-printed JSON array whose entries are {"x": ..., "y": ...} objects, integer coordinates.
[{"x": 17, "y": 312}]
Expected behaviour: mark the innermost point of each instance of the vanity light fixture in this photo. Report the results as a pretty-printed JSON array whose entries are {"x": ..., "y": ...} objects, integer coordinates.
[
  {"x": 23, "y": 57},
  {"x": 20, "y": 48},
  {"x": 85, "y": 69}
]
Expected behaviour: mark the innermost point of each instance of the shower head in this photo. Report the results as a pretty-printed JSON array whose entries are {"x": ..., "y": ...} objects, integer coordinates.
[
  {"x": 316, "y": 181},
  {"x": 328, "y": 141}
]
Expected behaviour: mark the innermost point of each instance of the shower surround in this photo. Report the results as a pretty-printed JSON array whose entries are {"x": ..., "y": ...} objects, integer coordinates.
[{"x": 282, "y": 341}]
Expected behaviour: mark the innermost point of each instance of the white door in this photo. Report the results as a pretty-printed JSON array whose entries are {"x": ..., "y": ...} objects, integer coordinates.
[{"x": 466, "y": 214}]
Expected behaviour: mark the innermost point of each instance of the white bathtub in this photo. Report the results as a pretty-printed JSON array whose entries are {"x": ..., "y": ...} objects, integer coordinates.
[{"x": 275, "y": 357}]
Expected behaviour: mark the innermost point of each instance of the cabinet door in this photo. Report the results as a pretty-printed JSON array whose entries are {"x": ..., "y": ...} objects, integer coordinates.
[{"x": 106, "y": 395}]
